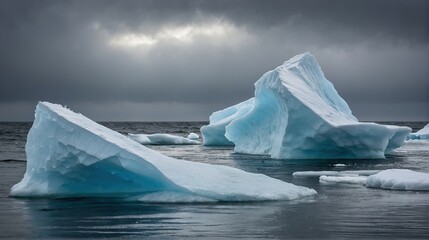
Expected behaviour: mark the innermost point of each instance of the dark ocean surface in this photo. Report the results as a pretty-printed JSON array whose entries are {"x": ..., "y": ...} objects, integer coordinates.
[{"x": 338, "y": 211}]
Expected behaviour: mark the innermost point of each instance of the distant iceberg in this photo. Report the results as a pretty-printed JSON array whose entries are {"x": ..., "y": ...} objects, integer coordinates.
[
  {"x": 297, "y": 114},
  {"x": 162, "y": 139},
  {"x": 69, "y": 155},
  {"x": 421, "y": 134}
]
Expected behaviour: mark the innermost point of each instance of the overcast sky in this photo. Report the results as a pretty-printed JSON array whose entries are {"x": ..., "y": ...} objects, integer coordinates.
[{"x": 182, "y": 60}]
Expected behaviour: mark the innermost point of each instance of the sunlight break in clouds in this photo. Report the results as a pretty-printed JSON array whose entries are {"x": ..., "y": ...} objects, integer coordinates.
[{"x": 184, "y": 34}]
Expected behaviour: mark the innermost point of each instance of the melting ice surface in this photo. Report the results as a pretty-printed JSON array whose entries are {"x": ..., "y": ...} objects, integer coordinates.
[
  {"x": 69, "y": 155},
  {"x": 163, "y": 139},
  {"x": 297, "y": 114},
  {"x": 421, "y": 134}
]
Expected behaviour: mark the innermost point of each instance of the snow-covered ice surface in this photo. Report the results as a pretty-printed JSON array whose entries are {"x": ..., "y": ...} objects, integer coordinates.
[
  {"x": 399, "y": 179},
  {"x": 69, "y": 155},
  {"x": 339, "y": 165},
  {"x": 421, "y": 134},
  {"x": 162, "y": 139},
  {"x": 297, "y": 114}
]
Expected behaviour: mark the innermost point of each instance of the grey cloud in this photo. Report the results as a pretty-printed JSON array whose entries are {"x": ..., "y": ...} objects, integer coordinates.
[{"x": 51, "y": 51}]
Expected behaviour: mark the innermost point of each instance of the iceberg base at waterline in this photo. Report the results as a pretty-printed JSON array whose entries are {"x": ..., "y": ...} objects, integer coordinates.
[
  {"x": 296, "y": 113},
  {"x": 69, "y": 155}
]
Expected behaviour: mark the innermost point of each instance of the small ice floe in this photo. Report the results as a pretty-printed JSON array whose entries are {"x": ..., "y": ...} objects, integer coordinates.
[
  {"x": 399, "y": 179},
  {"x": 162, "y": 139},
  {"x": 393, "y": 179},
  {"x": 361, "y": 180},
  {"x": 340, "y": 165},
  {"x": 193, "y": 136},
  {"x": 335, "y": 173},
  {"x": 332, "y": 177}
]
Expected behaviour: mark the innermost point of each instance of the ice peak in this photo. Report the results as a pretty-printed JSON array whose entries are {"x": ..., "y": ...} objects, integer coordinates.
[{"x": 305, "y": 57}]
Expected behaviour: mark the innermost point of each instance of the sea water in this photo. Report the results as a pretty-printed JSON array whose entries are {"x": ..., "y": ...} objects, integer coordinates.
[{"x": 338, "y": 211}]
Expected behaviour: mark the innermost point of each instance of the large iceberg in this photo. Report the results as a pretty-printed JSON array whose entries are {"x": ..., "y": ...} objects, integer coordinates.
[
  {"x": 69, "y": 155},
  {"x": 421, "y": 134},
  {"x": 297, "y": 114}
]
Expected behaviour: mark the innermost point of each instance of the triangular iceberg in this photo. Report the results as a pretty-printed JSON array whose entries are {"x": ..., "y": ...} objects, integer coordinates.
[
  {"x": 69, "y": 155},
  {"x": 297, "y": 114}
]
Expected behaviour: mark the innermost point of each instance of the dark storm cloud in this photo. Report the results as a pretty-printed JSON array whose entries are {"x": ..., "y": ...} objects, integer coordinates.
[{"x": 375, "y": 53}]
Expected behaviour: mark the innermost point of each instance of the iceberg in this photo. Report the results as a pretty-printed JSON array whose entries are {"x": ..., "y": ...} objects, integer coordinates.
[
  {"x": 399, "y": 179},
  {"x": 162, "y": 139},
  {"x": 421, "y": 134},
  {"x": 297, "y": 114},
  {"x": 69, "y": 155}
]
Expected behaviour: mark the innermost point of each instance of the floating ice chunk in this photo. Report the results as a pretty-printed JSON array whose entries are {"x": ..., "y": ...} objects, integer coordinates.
[
  {"x": 193, "y": 136},
  {"x": 298, "y": 114},
  {"x": 421, "y": 134},
  {"x": 399, "y": 179},
  {"x": 361, "y": 180},
  {"x": 69, "y": 155},
  {"x": 335, "y": 173},
  {"x": 340, "y": 165},
  {"x": 314, "y": 173},
  {"x": 162, "y": 139},
  {"x": 140, "y": 138}
]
